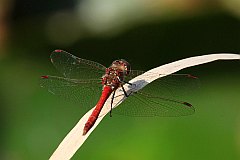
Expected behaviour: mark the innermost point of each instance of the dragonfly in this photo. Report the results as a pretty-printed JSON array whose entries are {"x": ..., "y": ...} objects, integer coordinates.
[{"x": 90, "y": 83}]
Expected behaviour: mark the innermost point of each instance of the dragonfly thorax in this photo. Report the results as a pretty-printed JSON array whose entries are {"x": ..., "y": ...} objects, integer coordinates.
[{"x": 115, "y": 74}]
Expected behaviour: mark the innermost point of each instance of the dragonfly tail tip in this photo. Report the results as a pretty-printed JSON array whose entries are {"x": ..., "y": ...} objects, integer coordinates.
[{"x": 84, "y": 132}]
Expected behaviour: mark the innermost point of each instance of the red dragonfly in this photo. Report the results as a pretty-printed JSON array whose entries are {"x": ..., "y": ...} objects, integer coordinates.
[{"x": 85, "y": 81}]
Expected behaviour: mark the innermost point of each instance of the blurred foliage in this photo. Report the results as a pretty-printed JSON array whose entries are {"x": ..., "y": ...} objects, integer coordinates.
[{"x": 33, "y": 122}]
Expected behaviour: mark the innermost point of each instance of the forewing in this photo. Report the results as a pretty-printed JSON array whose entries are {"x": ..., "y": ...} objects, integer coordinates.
[
  {"x": 160, "y": 98},
  {"x": 76, "y": 68},
  {"x": 84, "y": 92},
  {"x": 132, "y": 74},
  {"x": 174, "y": 86}
]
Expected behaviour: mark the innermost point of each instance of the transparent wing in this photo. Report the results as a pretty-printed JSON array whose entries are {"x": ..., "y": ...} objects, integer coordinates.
[
  {"x": 132, "y": 74},
  {"x": 159, "y": 98},
  {"x": 85, "y": 92},
  {"x": 77, "y": 68}
]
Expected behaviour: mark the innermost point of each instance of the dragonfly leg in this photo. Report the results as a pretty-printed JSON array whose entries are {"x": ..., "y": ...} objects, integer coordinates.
[
  {"x": 112, "y": 103},
  {"x": 127, "y": 82},
  {"x": 125, "y": 93}
]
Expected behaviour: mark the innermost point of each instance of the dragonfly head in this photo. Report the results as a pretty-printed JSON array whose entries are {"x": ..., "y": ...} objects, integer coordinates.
[{"x": 123, "y": 65}]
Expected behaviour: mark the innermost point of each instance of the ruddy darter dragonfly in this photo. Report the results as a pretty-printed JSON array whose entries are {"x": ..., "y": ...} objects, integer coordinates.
[{"x": 85, "y": 81}]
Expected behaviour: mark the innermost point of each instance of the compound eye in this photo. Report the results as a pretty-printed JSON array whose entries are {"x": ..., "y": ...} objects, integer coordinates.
[{"x": 117, "y": 61}]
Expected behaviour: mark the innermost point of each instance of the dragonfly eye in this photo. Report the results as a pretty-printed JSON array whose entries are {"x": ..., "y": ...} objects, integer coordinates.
[
  {"x": 126, "y": 65},
  {"x": 121, "y": 64}
]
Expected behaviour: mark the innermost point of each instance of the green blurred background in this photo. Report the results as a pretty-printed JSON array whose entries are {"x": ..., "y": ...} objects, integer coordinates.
[{"x": 147, "y": 33}]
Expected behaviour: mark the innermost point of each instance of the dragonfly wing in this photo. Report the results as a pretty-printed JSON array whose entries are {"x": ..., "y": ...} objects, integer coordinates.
[
  {"x": 77, "y": 68},
  {"x": 132, "y": 74},
  {"x": 158, "y": 97},
  {"x": 145, "y": 105},
  {"x": 174, "y": 86},
  {"x": 84, "y": 92}
]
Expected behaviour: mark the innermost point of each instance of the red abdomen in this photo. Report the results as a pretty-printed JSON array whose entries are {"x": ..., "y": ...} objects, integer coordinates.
[{"x": 107, "y": 90}]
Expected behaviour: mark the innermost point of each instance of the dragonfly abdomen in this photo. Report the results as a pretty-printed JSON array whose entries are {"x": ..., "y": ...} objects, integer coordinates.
[{"x": 107, "y": 90}]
